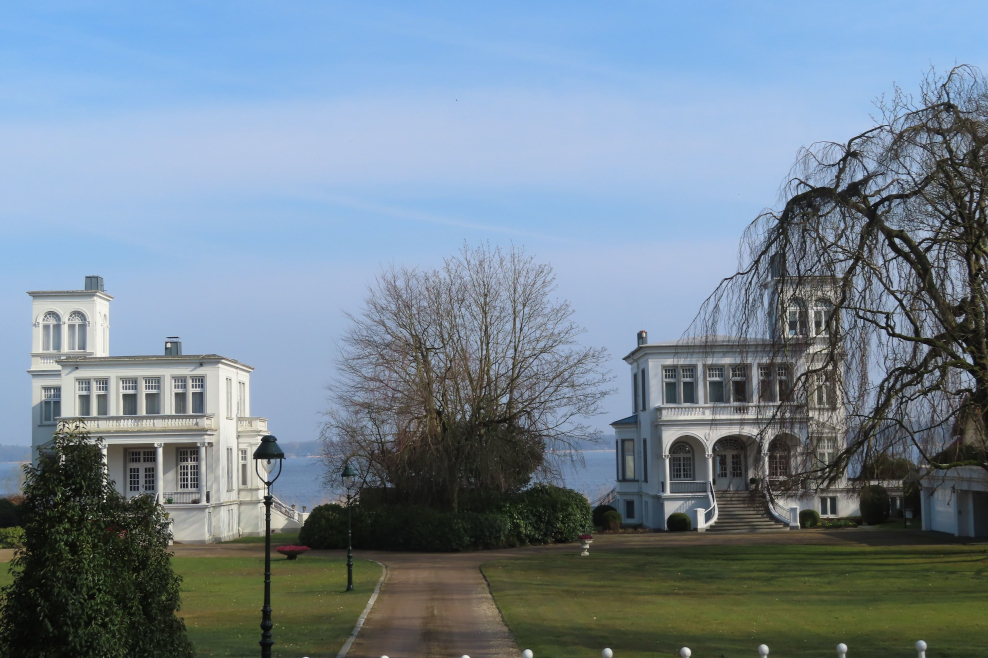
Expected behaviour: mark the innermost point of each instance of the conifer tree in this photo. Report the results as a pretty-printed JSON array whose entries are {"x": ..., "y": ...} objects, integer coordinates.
[{"x": 94, "y": 578}]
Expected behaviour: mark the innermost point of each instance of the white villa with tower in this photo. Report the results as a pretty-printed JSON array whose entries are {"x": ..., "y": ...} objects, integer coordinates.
[
  {"x": 175, "y": 426},
  {"x": 705, "y": 437}
]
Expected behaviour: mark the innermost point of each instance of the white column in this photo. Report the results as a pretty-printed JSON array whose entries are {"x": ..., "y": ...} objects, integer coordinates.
[
  {"x": 710, "y": 468},
  {"x": 106, "y": 460},
  {"x": 202, "y": 473},
  {"x": 159, "y": 458},
  {"x": 665, "y": 460}
]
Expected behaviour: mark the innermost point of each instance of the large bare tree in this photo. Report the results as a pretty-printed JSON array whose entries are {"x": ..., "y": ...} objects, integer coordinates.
[
  {"x": 462, "y": 377},
  {"x": 893, "y": 225}
]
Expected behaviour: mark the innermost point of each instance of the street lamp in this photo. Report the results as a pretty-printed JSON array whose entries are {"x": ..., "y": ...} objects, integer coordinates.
[
  {"x": 349, "y": 476},
  {"x": 265, "y": 457}
]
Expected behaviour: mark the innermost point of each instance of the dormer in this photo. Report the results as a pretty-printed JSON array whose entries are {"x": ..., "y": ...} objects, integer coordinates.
[{"x": 70, "y": 323}]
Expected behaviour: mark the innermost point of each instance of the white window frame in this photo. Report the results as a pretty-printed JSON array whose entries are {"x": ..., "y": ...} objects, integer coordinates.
[
  {"x": 829, "y": 507},
  {"x": 188, "y": 469},
  {"x": 84, "y": 397},
  {"x": 825, "y": 447},
  {"x": 152, "y": 386},
  {"x": 244, "y": 468},
  {"x": 197, "y": 385},
  {"x": 51, "y": 332},
  {"x": 241, "y": 399},
  {"x": 739, "y": 373},
  {"x": 51, "y": 404},
  {"x": 128, "y": 386},
  {"x": 101, "y": 391},
  {"x": 229, "y": 398},
  {"x": 229, "y": 469},
  {"x": 180, "y": 391},
  {"x": 681, "y": 462},
  {"x": 716, "y": 374},
  {"x": 75, "y": 329},
  {"x": 628, "y": 459}
]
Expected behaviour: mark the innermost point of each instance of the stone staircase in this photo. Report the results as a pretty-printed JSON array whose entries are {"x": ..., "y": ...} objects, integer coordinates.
[{"x": 743, "y": 511}]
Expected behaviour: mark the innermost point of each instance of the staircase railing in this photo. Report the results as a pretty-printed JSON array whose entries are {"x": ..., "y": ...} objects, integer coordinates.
[
  {"x": 780, "y": 513},
  {"x": 606, "y": 499},
  {"x": 285, "y": 510},
  {"x": 706, "y": 518}
]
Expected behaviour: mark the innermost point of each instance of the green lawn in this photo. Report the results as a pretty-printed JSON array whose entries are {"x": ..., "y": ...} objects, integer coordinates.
[
  {"x": 222, "y": 598},
  {"x": 277, "y": 539},
  {"x": 724, "y": 601}
]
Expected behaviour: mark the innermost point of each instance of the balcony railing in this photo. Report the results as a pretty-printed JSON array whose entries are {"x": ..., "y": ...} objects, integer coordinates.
[
  {"x": 688, "y": 486},
  {"x": 181, "y": 498},
  {"x": 727, "y": 411},
  {"x": 254, "y": 424},
  {"x": 156, "y": 423}
]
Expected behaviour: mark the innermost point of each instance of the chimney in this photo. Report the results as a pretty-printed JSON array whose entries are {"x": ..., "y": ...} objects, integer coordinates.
[
  {"x": 173, "y": 346},
  {"x": 642, "y": 337},
  {"x": 94, "y": 283}
]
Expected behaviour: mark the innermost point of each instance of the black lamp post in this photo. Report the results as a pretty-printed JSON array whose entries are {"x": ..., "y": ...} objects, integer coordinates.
[
  {"x": 265, "y": 457},
  {"x": 349, "y": 475}
]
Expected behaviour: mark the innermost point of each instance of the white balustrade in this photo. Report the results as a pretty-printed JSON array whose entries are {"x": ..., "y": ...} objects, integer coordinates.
[{"x": 159, "y": 422}]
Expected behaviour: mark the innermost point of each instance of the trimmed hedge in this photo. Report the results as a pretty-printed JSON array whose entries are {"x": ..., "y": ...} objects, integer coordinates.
[
  {"x": 599, "y": 512},
  {"x": 542, "y": 514},
  {"x": 679, "y": 522},
  {"x": 612, "y": 520},
  {"x": 874, "y": 504},
  {"x": 809, "y": 518}
]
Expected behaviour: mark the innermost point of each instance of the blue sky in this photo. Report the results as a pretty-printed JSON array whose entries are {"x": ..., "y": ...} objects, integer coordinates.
[{"x": 239, "y": 171}]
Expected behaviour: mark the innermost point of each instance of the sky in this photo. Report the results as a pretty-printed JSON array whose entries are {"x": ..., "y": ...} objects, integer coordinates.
[{"x": 238, "y": 172}]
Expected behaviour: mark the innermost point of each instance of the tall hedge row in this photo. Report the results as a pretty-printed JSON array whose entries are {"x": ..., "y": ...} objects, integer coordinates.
[{"x": 542, "y": 514}]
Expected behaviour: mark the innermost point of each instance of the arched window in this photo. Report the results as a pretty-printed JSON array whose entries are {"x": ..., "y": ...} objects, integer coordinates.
[
  {"x": 77, "y": 331},
  {"x": 822, "y": 312},
  {"x": 796, "y": 318},
  {"x": 681, "y": 462},
  {"x": 51, "y": 332},
  {"x": 779, "y": 458}
]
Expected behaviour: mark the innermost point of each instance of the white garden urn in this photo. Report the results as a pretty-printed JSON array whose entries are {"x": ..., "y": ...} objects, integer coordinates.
[{"x": 586, "y": 539}]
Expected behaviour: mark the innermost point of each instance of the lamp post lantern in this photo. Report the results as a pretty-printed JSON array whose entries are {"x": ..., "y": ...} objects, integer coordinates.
[
  {"x": 349, "y": 477},
  {"x": 265, "y": 457}
]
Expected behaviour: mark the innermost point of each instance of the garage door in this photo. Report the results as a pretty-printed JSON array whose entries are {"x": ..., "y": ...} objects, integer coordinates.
[{"x": 943, "y": 514}]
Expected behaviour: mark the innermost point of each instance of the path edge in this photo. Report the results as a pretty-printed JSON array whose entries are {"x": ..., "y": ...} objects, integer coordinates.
[
  {"x": 490, "y": 593},
  {"x": 367, "y": 609}
]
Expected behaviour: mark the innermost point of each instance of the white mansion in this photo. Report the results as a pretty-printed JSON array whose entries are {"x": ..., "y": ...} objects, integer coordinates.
[
  {"x": 174, "y": 426},
  {"x": 705, "y": 433}
]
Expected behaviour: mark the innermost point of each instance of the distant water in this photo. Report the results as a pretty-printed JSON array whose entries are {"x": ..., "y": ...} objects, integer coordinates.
[{"x": 301, "y": 478}]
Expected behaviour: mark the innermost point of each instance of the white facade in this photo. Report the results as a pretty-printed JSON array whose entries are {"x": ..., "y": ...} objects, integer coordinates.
[
  {"x": 704, "y": 421},
  {"x": 175, "y": 426}
]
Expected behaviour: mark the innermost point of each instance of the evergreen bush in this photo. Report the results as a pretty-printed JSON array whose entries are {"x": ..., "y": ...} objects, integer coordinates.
[
  {"x": 679, "y": 522},
  {"x": 10, "y": 513},
  {"x": 11, "y": 537},
  {"x": 598, "y": 514},
  {"x": 612, "y": 520},
  {"x": 874, "y": 504},
  {"x": 542, "y": 514},
  {"x": 94, "y": 578},
  {"x": 809, "y": 518}
]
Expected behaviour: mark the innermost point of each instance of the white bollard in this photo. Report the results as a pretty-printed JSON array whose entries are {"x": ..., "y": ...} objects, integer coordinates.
[
  {"x": 527, "y": 653},
  {"x": 921, "y": 649},
  {"x": 763, "y": 650},
  {"x": 841, "y": 650},
  {"x": 685, "y": 652},
  {"x": 607, "y": 653}
]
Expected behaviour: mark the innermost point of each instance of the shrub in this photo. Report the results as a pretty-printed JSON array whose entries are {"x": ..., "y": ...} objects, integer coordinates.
[
  {"x": 874, "y": 504},
  {"x": 679, "y": 522},
  {"x": 541, "y": 515},
  {"x": 612, "y": 520},
  {"x": 10, "y": 513},
  {"x": 598, "y": 514},
  {"x": 809, "y": 518},
  {"x": 11, "y": 537}
]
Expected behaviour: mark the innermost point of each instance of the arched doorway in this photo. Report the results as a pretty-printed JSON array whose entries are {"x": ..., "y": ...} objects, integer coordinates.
[{"x": 730, "y": 465}]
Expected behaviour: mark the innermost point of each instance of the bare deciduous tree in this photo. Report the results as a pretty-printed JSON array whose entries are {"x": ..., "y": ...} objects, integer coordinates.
[
  {"x": 460, "y": 378},
  {"x": 894, "y": 223}
]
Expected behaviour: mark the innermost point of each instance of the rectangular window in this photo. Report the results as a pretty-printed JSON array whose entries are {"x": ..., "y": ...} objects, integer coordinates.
[
  {"x": 152, "y": 395},
  {"x": 722, "y": 466},
  {"x": 644, "y": 393},
  {"x": 102, "y": 387},
  {"x": 244, "y": 473},
  {"x": 783, "y": 380},
  {"x": 198, "y": 386},
  {"x": 736, "y": 468},
  {"x": 766, "y": 388},
  {"x": 134, "y": 481},
  {"x": 828, "y": 506},
  {"x": 715, "y": 384},
  {"x": 180, "y": 392},
  {"x": 229, "y": 398},
  {"x": 634, "y": 392},
  {"x": 229, "y": 469},
  {"x": 51, "y": 403},
  {"x": 669, "y": 376},
  {"x": 83, "y": 388},
  {"x": 128, "y": 393},
  {"x": 739, "y": 383},
  {"x": 629, "y": 510},
  {"x": 825, "y": 391},
  {"x": 688, "y": 377},
  {"x": 188, "y": 468},
  {"x": 241, "y": 398},
  {"x": 826, "y": 450},
  {"x": 628, "y": 459}
]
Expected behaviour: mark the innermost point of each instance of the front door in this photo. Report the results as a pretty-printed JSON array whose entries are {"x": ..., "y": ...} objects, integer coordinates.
[
  {"x": 729, "y": 466},
  {"x": 140, "y": 472}
]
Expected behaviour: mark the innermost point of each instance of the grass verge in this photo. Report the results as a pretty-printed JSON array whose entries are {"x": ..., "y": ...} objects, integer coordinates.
[{"x": 723, "y": 601}]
